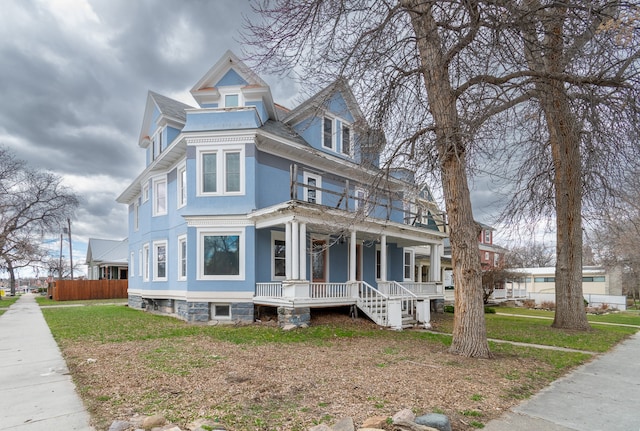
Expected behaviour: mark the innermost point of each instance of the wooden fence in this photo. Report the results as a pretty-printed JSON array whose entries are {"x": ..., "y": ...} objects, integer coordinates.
[{"x": 69, "y": 290}]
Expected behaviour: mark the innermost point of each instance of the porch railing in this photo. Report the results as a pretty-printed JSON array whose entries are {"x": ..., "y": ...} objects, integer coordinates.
[
  {"x": 269, "y": 290},
  {"x": 373, "y": 303},
  {"x": 395, "y": 290},
  {"x": 424, "y": 288},
  {"x": 331, "y": 290}
]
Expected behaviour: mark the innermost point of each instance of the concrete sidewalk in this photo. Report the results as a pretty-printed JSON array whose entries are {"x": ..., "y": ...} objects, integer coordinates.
[
  {"x": 603, "y": 395},
  {"x": 36, "y": 390}
]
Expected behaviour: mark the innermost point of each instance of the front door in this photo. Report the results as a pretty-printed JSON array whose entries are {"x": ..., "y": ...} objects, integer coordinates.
[{"x": 319, "y": 261}]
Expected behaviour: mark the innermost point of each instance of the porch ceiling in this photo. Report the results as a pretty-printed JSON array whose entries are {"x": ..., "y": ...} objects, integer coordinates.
[{"x": 335, "y": 222}]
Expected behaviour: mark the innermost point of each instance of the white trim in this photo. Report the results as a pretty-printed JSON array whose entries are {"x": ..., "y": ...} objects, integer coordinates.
[
  {"x": 132, "y": 257},
  {"x": 331, "y": 118},
  {"x": 214, "y": 316},
  {"x": 411, "y": 263},
  {"x": 157, "y": 182},
  {"x": 327, "y": 266},
  {"x": 181, "y": 185},
  {"x": 145, "y": 191},
  {"x": 182, "y": 256},
  {"x": 145, "y": 262},
  {"x": 156, "y": 246},
  {"x": 209, "y": 221},
  {"x": 229, "y": 91},
  {"x": 305, "y": 178},
  {"x": 276, "y": 236},
  {"x": 221, "y": 231},
  {"x": 225, "y": 296},
  {"x": 140, "y": 262},
  {"x": 221, "y": 172}
]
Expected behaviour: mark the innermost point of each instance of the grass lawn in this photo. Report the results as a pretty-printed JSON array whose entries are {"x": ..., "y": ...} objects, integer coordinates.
[
  {"x": 625, "y": 317},
  {"x": 45, "y": 301},
  {"x": 6, "y": 302},
  {"x": 258, "y": 377}
]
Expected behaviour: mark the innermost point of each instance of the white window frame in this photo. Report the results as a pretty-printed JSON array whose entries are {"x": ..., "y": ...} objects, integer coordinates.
[
  {"x": 140, "y": 263},
  {"x": 132, "y": 266},
  {"x": 410, "y": 264},
  {"x": 182, "y": 257},
  {"x": 145, "y": 191},
  {"x": 361, "y": 202},
  {"x": 333, "y": 132},
  {"x": 241, "y": 252},
  {"x": 181, "y": 189},
  {"x": 145, "y": 262},
  {"x": 305, "y": 177},
  {"x": 136, "y": 216},
  {"x": 487, "y": 236},
  {"x": 221, "y": 171},
  {"x": 215, "y": 316},
  {"x": 276, "y": 236},
  {"x": 156, "y": 246},
  {"x": 345, "y": 125},
  {"x": 157, "y": 183},
  {"x": 231, "y": 91}
]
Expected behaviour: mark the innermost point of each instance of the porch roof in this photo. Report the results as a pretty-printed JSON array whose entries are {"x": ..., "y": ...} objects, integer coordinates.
[{"x": 331, "y": 221}]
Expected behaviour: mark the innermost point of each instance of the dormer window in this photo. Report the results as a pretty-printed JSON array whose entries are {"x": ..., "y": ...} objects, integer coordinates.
[
  {"x": 346, "y": 140},
  {"x": 231, "y": 100},
  {"x": 327, "y": 135}
]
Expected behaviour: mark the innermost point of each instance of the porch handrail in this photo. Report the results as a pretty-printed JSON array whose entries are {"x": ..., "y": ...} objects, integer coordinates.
[
  {"x": 331, "y": 290},
  {"x": 269, "y": 290},
  {"x": 373, "y": 303},
  {"x": 424, "y": 288}
]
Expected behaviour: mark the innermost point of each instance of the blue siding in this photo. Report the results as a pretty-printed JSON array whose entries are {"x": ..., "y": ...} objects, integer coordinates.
[
  {"x": 231, "y": 78},
  {"x": 272, "y": 180},
  {"x": 338, "y": 106}
]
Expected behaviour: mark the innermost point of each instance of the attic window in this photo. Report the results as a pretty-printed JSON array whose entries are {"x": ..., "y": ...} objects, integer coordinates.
[
  {"x": 231, "y": 101},
  {"x": 327, "y": 133}
]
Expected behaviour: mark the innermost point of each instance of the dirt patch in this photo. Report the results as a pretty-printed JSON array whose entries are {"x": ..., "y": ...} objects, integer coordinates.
[{"x": 293, "y": 386}]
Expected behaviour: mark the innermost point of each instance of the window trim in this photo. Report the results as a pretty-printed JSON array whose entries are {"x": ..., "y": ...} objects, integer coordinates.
[
  {"x": 181, "y": 185},
  {"x": 182, "y": 256},
  {"x": 156, "y": 246},
  {"x": 361, "y": 202},
  {"x": 140, "y": 262},
  {"x": 410, "y": 264},
  {"x": 145, "y": 262},
  {"x": 132, "y": 258},
  {"x": 241, "y": 252},
  {"x": 231, "y": 91},
  {"x": 145, "y": 192},
  {"x": 347, "y": 126},
  {"x": 221, "y": 170},
  {"x": 305, "y": 177},
  {"x": 215, "y": 316},
  {"x": 323, "y": 135},
  {"x": 136, "y": 216},
  {"x": 156, "y": 183},
  {"x": 277, "y": 236}
]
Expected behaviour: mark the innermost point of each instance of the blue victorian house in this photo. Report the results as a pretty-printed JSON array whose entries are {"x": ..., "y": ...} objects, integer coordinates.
[{"x": 243, "y": 203}]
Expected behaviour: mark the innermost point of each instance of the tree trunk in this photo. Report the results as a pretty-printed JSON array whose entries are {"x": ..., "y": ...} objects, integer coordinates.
[
  {"x": 469, "y": 330},
  {"x": 12, "y": 278},
  {"x": 547, "y": 56}
]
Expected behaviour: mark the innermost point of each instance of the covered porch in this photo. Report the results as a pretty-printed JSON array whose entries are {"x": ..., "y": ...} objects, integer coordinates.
[{"x": 325, "y": 257}]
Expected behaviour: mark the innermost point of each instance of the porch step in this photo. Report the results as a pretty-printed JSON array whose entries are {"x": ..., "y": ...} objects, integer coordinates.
[{"x": 408, "y": 321}]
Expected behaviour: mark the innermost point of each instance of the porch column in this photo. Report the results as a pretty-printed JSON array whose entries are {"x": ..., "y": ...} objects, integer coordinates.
[
  {"x": 352, "y": 257},
  {"x": 435, "y": 273},
  {"x": 303, "y": 251},
  {"x": 420, "y": 266},
  {"x": 383, "y": 258},
  {"x": 287, "y": 250},
  {"x": 295, "y": 250}
]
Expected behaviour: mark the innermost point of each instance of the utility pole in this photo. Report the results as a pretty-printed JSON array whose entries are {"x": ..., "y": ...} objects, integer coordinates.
[{"x": 70, "y": 248}]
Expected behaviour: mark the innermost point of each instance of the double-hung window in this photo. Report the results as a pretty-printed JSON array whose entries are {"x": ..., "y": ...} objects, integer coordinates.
[
  {"x": 160, "y": 261},
  {"x": 221, "y": 171},
  {"x": 182, "y": 186},
  {"x": 408, "y": 265},
  {"x": 327, "y": 133},
  {"x": 312, "y": 188},
  {"x": 160, "y": 196},
  {"x": 346, "y": 140},
  {"x": 221, "y": 254},
  {"x": 182, "y": 257},
  {"x": 278, "y": 256}
]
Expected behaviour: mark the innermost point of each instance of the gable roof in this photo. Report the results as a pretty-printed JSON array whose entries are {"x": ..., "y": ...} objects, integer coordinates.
[
  {"x": 320, "y": 100},
  {"x": 170, "y": 111},
  {"x": 107, "y": 251}
]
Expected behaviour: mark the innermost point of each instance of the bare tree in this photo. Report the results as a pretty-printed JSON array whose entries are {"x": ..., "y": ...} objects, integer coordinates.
[
  {"x": 532, "y": 255},
  {"x": 579, "y": 63},
  {"x": 32, "y": 203}
]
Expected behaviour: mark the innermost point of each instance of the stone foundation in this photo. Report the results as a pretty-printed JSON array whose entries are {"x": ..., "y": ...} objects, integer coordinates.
[{"x": 294, "y": 316}]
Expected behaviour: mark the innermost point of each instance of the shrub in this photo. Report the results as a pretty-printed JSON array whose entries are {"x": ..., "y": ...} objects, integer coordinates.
[
  {"x": 529, "y": 303},
  {"x": 489, "y": 310},
  {"x": 448, "y": 309}
]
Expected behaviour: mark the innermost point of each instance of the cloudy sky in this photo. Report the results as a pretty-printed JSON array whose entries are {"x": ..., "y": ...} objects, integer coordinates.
[{"x": 74, "y": 75}]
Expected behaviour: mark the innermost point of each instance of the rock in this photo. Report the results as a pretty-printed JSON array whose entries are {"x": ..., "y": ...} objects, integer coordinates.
[
  {"x": 435, "y": 420},
  {"x": 345, "y": 424},
  {"x": 321, "y": 427},
  {"x": 289, "y": 327},
  {"x": 410, "y": 426},
  {"x": 120, "y": 425},
  {"x": 405, "y": 415},
  {"x": 374, "y": 422},
  {"x": 153, "y": 421}
]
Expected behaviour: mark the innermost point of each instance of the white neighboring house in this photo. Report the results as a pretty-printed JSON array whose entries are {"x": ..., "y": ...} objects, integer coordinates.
[
  {"x": 599, "y": 285},
  {"x": 107, "y": 259}
]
